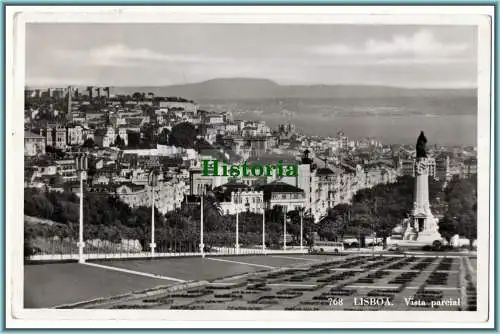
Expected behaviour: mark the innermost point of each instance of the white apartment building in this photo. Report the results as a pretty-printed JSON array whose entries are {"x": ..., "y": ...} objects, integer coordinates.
[
  {"x": 243, "y": 201},
  {"x": 284, "y": 195},
  {"x": 76, "y": 135},
  {"x": 168, "y": 196}
]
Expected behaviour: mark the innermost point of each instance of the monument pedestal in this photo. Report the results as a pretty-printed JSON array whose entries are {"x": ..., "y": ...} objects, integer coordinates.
[
  {"x": 409, "y": 233},
  {"x": 429, "y": 238},
  {"x": 421, "y": 226},
  {"x": 429, "y": 233},
  {"x": 421, "y": 230}
]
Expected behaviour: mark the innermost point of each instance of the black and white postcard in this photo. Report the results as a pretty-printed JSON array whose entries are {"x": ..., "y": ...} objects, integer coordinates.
[{"x": 320, "y": 166}]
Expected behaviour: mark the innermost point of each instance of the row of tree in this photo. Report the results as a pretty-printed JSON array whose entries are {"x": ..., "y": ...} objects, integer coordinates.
[
  {"x": 461, "y": 210},
  {"x": 107, "y": 218},
  {"x": 377, "y": 210}
]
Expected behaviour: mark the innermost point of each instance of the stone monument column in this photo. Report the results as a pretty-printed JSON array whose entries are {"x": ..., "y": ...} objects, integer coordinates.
[
  {"x": 424, "y": 223},
  {"x": 421, "y": 204}
]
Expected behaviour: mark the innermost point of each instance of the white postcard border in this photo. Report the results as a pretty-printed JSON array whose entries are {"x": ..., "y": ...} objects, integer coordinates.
[{"x": 17, "y": 317}]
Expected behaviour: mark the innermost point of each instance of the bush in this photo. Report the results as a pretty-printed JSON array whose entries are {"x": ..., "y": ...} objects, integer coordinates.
[
  {"x": 351, "y": 245},
  {"x": 448, "y": 248},
  {"x": 437, "y": 245},
  {"x": 28, "y": 248}
]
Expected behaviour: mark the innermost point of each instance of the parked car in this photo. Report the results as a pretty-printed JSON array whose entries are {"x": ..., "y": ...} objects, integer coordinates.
[
  {"x": 327, "y": 247},
  {"x": 394, "y": 248}
]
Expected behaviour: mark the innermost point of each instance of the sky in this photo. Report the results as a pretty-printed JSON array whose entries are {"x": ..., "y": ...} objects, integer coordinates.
[{"x": 142, "y": 54}]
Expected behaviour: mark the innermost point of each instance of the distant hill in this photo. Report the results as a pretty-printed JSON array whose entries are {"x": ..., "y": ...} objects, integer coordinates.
[{"x": 242, "y": 88}]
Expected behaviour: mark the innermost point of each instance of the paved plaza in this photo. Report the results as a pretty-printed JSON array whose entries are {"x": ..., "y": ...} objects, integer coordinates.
[
  {"x": 50, "y": 285},
  {"x": 272, "y": 282}
]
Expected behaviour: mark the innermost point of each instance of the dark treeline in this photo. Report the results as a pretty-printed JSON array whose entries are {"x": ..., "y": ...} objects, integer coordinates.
[
  {"x": 378, "y": 209},
  {"x": 107, "y": 218}
]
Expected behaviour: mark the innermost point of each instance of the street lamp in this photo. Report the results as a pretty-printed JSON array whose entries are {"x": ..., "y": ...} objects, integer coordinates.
[
  {"x": 374, "y": 234},
  {"x": 301, "y": 213},
  {"x": 202, "y": 245},
  {"x": 247, "y": 209},
  {"x": 238, "y": 200},
  {"x": 263, "y": 229},
  {"x": 284, "y": 228},
  {"x": 373, "y": 240},
  {"x": 153, "y": 182},
  {"x": 347, "y": 222},
  {"x": 81, "y": 167}
]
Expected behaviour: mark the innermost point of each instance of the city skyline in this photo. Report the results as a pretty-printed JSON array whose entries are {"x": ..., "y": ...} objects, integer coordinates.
[{"x": 169, "y": 54}]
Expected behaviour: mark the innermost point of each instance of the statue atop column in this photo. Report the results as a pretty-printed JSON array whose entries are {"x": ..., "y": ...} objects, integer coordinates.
[
  {"x": 421, "y": 226},
  {"x": 421, "y": 142}
]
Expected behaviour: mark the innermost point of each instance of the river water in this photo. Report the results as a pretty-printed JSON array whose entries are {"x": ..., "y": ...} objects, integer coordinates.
[{"x": 445, "y": 121}]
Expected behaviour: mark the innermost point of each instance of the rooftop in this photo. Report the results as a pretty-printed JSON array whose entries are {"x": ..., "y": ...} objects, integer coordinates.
[
  {"x": 324, "y": 171},
  {"x": 29, "y": 134},
  {"x": 223, "y": 192},
  {"x": 269, "y": 159},
  {"x": 279, "y": 187},
  {"x": 132, "y": 186}
]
